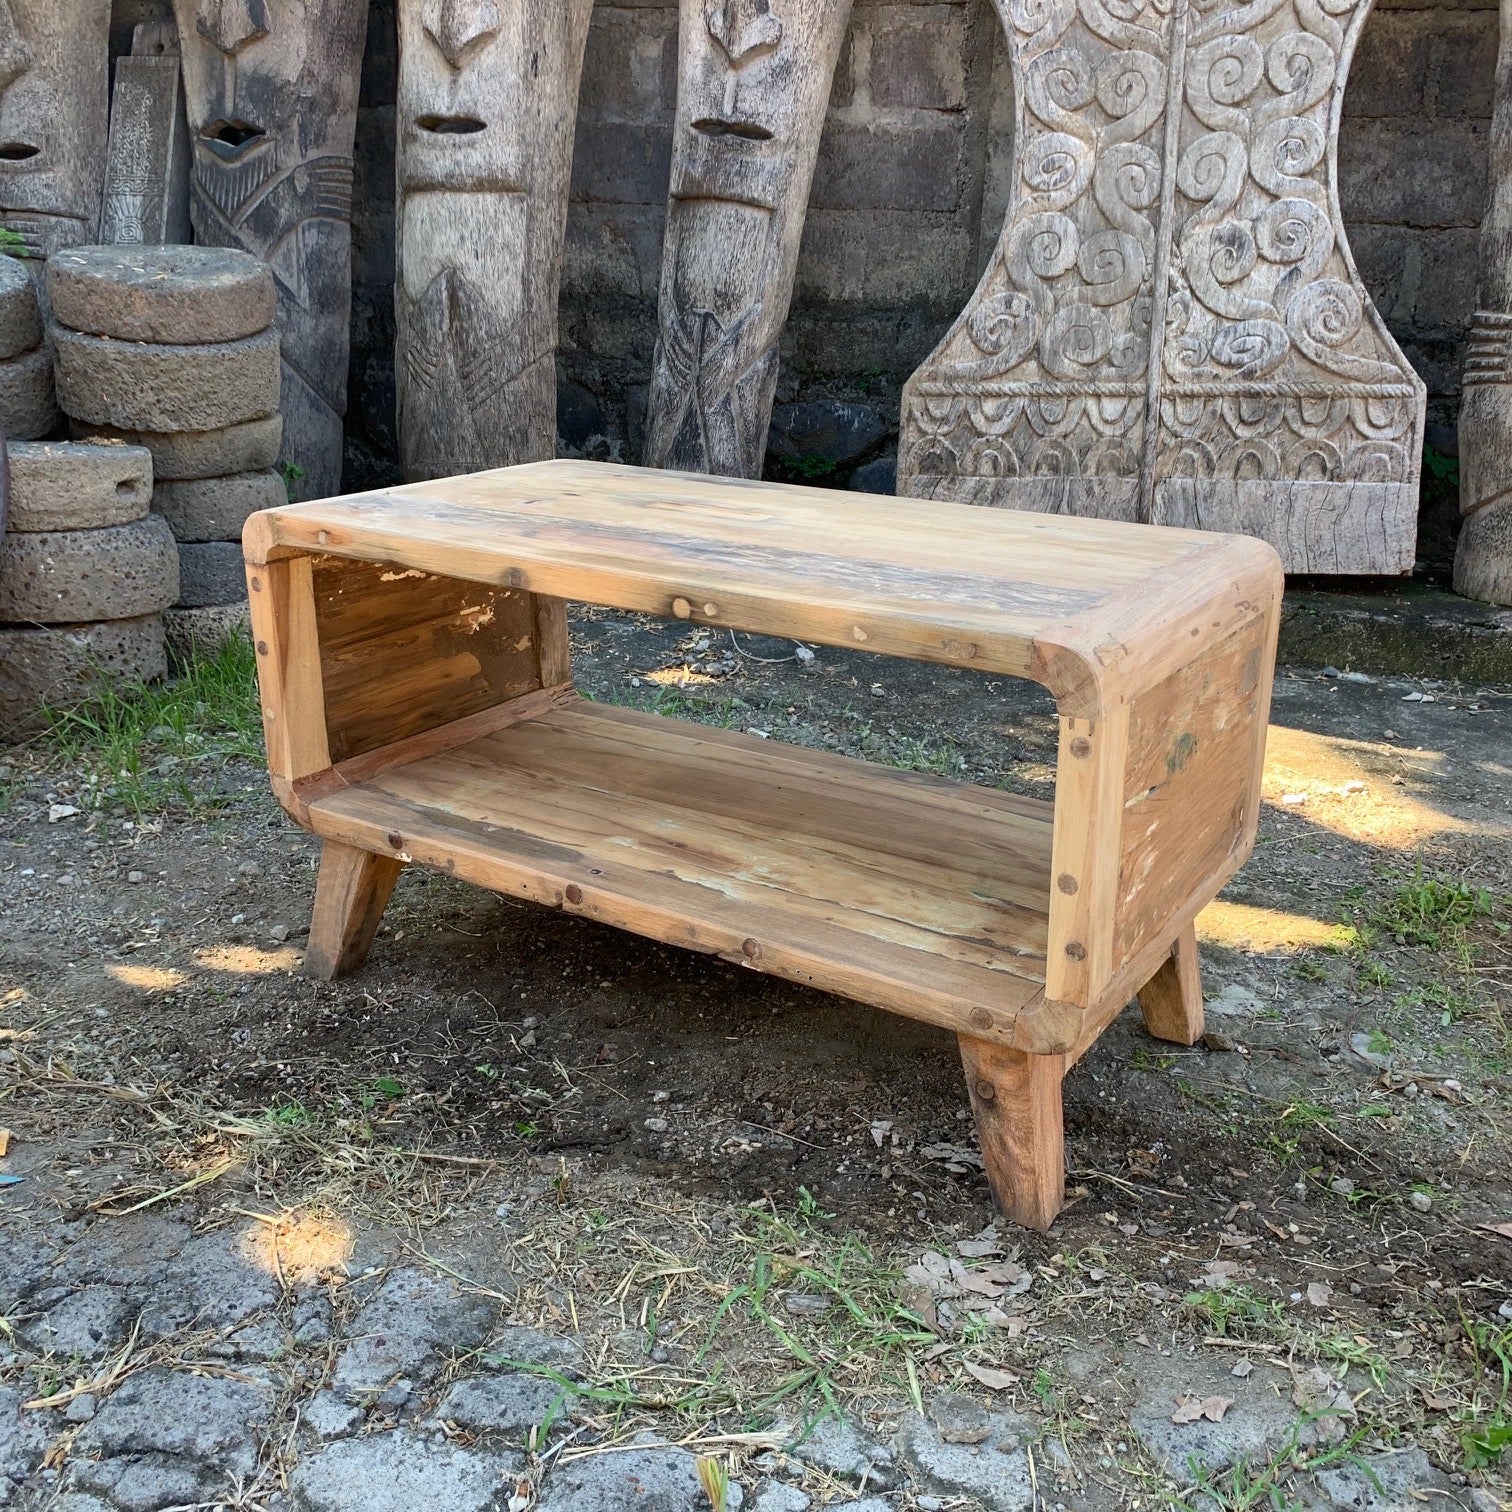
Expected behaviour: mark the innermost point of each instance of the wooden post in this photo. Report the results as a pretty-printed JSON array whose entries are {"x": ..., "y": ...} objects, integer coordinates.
[
  {"x": 1172, "y": 999},
  {"x": 754, "y": 80},
  {"x": 487, "y": 99},
  {"x": 271, "y": 93},
  {"x": 54, "y": 100},
  {"x": 1017, "y": 1102},
  {"x": 351, "y": 893},
  {"x": 1483, "y": 562}
]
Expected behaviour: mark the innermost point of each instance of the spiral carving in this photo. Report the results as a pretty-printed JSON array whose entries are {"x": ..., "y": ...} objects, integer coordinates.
[{"x": 1241, "y": 336}]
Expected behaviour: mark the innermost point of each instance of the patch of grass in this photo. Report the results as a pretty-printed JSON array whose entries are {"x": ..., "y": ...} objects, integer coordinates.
[
  {"x": 133, "y": 741},
  {"x": 1429, "y": 912},
  {"x": 1249, "y": 1485},
  {"x": 1234, "y": 1312},
  {"x": 1486, "y": 1430}
]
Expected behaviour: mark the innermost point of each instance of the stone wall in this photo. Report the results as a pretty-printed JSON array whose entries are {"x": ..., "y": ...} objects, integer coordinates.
[{"x": 908, "y": 200}]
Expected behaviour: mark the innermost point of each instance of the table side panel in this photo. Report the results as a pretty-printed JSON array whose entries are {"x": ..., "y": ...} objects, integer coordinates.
[
  {"x": 402, "y": 651},
  {"x": 1192, "y": 784}
]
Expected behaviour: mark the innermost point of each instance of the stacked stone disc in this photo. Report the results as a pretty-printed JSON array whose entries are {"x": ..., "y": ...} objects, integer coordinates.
[
  {"x": 28, "y": 409},
  {"x": 173, "y": 349},
  {"x": 85, "y": 572}
]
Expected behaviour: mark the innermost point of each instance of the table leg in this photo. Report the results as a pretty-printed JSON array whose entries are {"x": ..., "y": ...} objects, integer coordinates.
[
  {"x": 1017, "y": 1102},
  {"x": 1172, "y": 999},
  {"x": 351, "y": 892}
]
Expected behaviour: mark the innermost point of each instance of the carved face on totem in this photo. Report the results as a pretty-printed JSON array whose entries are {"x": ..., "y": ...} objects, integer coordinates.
[
  {"x": 54, "y": 92},
  {"x": 754, "y": 82},
  {"x": 487, "y": 98},
  {"x": 271, "y": 91}
]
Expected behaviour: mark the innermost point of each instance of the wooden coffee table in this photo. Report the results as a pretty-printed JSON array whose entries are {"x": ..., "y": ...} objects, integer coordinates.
[{"x": 418, "y": 704}]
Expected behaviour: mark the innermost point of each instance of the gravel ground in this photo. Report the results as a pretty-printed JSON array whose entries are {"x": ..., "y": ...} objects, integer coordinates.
[{"x": 530, "y": 1213}]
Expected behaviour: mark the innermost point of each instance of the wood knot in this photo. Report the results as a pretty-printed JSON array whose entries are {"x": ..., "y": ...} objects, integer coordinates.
[
  {"x": 1067, "y": 884},
  {"x": 751, "y": 950},
  {"x": 256, "y": 585},
  {"x": 981, "y": 1019},
  {"x": 396, "y": 842},
  {"x": 682, "y": 608},
  {"x": 1077, "y": 951},
  {"x": 574, "y": 894},
  {"x": 986, "y": 1091},
  {"x": 1081, "y": 746},
  {"x": 262, "y": 648}
]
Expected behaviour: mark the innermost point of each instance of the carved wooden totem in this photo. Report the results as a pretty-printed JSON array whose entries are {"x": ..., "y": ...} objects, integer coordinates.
[
  {"x": 488, "y": 95},
  {"x": 1173, "y": 329},
  {"x": 1483, "y": 564},
  {"x": 754, "y": 83},
  {"x": 271, "y": 88},
  {"x": 54, "y": 102}
]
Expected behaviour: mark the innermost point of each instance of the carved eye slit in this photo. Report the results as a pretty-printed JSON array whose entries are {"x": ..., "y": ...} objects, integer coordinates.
[
  {"x": 748, "y": 130},
  {"x": 17, "y": 152},
  {"x": 439, "y": 125}
]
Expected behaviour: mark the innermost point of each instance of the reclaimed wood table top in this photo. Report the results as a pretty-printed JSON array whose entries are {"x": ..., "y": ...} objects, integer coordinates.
[{"x": 1064, "y": 601}]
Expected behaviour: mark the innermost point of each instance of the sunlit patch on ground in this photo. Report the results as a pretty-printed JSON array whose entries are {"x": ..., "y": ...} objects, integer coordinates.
[
  {"x": 1240, "y": 926},
  {"x": 1347, "y": 787},
  {"x": 299, "y": 1247},
  {"x": 249, "y": 960},
  {"x": 147, "y": 978}
]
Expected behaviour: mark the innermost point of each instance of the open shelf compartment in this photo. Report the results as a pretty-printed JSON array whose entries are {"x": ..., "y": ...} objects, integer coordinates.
[{"x": 912, "y": 892}]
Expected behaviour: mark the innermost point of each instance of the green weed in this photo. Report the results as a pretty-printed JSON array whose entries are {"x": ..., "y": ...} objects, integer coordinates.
[
  {"x": 1234, "y": 1312},
  {"x": 137, "y": 744}
]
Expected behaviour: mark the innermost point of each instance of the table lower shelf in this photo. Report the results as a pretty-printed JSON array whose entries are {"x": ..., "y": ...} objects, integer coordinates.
[{"x": 907, "y": 891}]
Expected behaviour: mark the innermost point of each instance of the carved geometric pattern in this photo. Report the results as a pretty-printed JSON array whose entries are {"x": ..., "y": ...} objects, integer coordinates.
[{"x": 1173, "y": 312}]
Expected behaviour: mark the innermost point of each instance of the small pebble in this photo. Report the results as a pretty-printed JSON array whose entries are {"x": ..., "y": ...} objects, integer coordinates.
[
  {"x": 1421, "y": 1201},
  {"x": 279, "y": 933},
  {"x": 1342, "y": 1185},
  {"x": 136, "y": 876},
  {"x": 82, "y": 1408},
  {"x": 656, "y": 1125},
  {"x": 250, "y": 869}
]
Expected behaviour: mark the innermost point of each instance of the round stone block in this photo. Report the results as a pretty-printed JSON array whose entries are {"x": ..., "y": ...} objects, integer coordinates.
[
  {"x": 62, "y": 664},
  {"x": 153, "y": 386},
  {"x": 179, "y": 455},
  {"x": 20, "y": 318},
  {"x": 65, "y": 577},
  {"x": 215, "y": 509},
  {"x": 211, "y": 572},
  {"x": 28, "y": 405},
  {"x": 181, "y": 296},
  {"x": 63, "y": 485},
  {"x": 202, "y": 632}
]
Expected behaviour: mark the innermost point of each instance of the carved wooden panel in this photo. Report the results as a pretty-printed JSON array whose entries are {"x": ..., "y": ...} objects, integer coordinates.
[
  {"x": 54, "y": 94},
  {"x": 488, "y": 93},
  {"x": 1483, "y": 564},
  {"x": 147, "y": 169},
  {"x": 271, "y": 90},
  {"x": 754, "y": 80},
  {"x": 1173, "y": 329}
]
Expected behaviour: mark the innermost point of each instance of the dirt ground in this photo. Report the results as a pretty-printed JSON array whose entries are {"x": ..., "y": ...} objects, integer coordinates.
[{"x": 751, "y": 1202}]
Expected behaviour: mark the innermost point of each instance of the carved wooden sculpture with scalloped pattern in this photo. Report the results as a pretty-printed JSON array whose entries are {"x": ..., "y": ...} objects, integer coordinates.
[{"x": 1172, "y": 329}]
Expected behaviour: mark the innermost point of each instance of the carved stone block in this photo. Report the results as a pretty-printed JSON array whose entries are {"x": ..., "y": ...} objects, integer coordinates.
[
  {"x": 147, "y": 169},
  {"x": 754, "y": 80},
  {"x": 1172, "y": 328},
  {"x": 54, "y": 99},
  {"x": 271, "y": 88},
  {"x": 488, "y": 94}
]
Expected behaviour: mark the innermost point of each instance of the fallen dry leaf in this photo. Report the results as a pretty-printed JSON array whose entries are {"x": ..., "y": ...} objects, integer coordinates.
[
  {"x": 1504, "y": 1230},
  {"x": 1190, "y": 1409},
  {"x": 5, "y": 1139},
  {"x": 1242, "y": 1369},
  {"x": 1319, "y": 1293},
  {"x": 993, "y": 1380}
]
